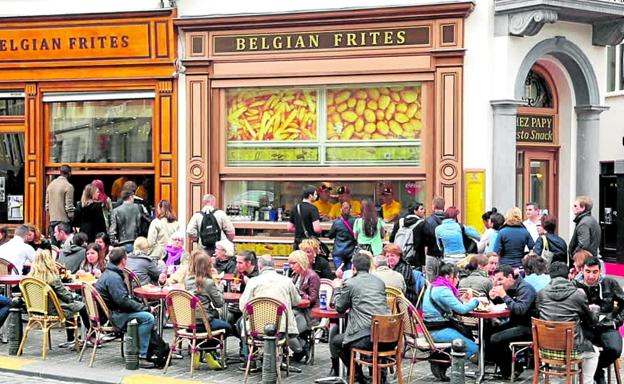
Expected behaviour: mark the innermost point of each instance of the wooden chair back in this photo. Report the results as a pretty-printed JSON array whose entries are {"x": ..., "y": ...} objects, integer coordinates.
[
  {"x": 6, "y": 268},
  {"x": 391, "y": 297},
  {"x": 553, "y": 335},
  {"x": 553, "y": 347},
  {"x": 387, "y": 328},
  {"x": 95, "y": 304}
]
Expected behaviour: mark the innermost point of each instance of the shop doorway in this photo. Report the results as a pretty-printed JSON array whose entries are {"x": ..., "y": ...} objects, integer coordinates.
[
  {"x": 611, "y": 221},
  {"x": 536, "y": 179}
]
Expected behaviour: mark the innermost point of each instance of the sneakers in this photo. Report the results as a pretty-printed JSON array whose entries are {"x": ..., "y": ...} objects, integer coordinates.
[
  {"x": 212, "y": 362},
  {"x": 67, "y": 344}
]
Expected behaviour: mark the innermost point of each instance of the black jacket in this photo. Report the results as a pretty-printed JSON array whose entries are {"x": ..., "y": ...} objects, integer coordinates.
[
  {"x": 560, "y": 300},
  {"x": 344, "y": 242},
  {"x": 322, "y": 269},
  {"x": 125, "y": 223},
  {"x": 113, "y": 290},
  {"x": 586, "y": 234},
  {"x": 428, "y": 237},
  {"x": 226, "y": 266},
  {"x": 606, "y": 294},
  {"x": 410, "y": 284},
  {"x": 520, "y": 300},
  {"x": 556, "y": 245},
  {"x": 91, "y": 219}
]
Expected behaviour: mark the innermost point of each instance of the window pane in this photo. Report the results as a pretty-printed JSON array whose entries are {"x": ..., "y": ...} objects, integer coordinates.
[
  {"x": 11, "y": 178},
  {"x": 374, "y": 113},
  {"x": 610, "y": 68},
  {"x": 104, "y": 131},
  {"x": 11, "y": 107},
  {"x": 621, "y": 76}
]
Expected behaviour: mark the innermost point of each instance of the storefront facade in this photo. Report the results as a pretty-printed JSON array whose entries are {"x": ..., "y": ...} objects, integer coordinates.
[
  {"x": 368, "y": 99},
  {"x": 95, "y": 91}
]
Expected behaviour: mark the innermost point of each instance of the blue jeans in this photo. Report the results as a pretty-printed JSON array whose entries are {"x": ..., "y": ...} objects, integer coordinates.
[
  {"x": 146, "y": 323},
  {"x": 216, "y": 324},
  {"x": 129, "y": 247},
  {"x": 447, "y": 335},
  {"x": 5, "y": 305},
  {"x": 338, "y": 261}
]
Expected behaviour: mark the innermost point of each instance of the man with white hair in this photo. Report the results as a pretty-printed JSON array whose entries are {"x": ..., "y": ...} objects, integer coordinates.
[
  {"x": 390, "y": 277},
  {"x": 210, "y": 224}
]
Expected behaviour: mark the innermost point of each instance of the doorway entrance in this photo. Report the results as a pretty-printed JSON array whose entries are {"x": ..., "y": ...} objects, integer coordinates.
[{"x": 536, "y": 178}]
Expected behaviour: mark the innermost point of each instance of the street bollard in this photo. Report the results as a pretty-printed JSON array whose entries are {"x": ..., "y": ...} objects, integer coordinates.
[
  {"x": 15, "y": 328},
  {"x": 269, "y": 365},
  {"x": 458, "y": 354},
  {"x": 132, "y": 345}
]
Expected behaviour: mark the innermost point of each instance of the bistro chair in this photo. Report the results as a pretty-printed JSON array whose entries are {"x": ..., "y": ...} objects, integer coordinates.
[
  {"x": 517, "y": 347},
  {"x": 44, "y": 311},
  {"x": 100, "y": 323},
  {"x": 258, "y": 313},
  {"x": 323, "y": 326},
  {"x": 6, "y": 268},
  {"x": 421, "y": 294},
  {"x": 391, "y": 296},
  {"x": 617, "y": 367},
  {"x": 386, "y": 329},
  {"x": 184, "y": 310},
  {"x": 553, "y": 349},
  {"x": 132, "y": 281}
]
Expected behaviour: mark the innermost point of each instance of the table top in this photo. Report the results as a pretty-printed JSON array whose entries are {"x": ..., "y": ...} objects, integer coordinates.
[
  {"x": 155, "y": 293},
  {"x": 329, "y": 313},
  {"x": 227, "y": 277},
  {"x": 74, "y": 285},
  {"x": 11, "y": 279},
  {"x": 231, "y": 297},
  {"x": 489, "y": 315}
]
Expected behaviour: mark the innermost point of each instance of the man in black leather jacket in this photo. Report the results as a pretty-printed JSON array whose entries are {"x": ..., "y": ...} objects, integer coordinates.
[
  {"x": 125, "y": 222},
  {"x": 603, "y": 292}
]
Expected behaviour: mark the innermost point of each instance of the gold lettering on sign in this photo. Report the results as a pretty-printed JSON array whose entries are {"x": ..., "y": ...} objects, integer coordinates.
[{"x": 534, "y": 129}]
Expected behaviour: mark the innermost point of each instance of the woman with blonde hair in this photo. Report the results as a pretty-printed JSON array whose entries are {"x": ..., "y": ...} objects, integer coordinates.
[
  {"x": 319, "y": 264},
  {"x": 90, "y": 214},
  {"x": 44, "y": 268},
  {"x": 513, "y": 239},
  {"x": 140, "y": 262},
  {"x": 161, "y": 229}
]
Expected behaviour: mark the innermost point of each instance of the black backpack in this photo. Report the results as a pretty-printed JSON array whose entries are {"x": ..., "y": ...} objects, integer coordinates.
[
  {"x": 209, "y": 231},
  {"x": 158, "y": 350}
]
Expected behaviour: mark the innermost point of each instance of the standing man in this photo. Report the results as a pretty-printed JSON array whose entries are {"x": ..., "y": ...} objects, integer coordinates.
[
  {"x": 59, "y": 201},
  {"x": 125, "y": 222},
  {"x": 16, "y": 251},
  {"x": 304, "y": 217},
  {"x": 587, "y": 232},
  {"x": 210, "y": 225},
  {"x": 322, "y": 203},
  {"x": 434, "y": 255},
  {"x": 390, "y": 209},
  {"x": 413, "y": 221},
  {"x": 533, "y": 223},
  {"x": 606, "y": 298},
  {"x": 363, "y": 296}
]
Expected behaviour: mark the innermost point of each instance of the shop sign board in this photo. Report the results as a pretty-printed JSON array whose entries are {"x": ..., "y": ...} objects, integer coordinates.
[
  {"x": 475, "y": 198},
  {"x": 75, "y": 42},
  {"x": 535, "y": 129},
  {"x": 321, "y": 40}
]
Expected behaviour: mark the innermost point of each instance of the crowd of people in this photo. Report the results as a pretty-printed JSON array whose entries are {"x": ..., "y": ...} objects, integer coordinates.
[{"x": 430, "y": 259}]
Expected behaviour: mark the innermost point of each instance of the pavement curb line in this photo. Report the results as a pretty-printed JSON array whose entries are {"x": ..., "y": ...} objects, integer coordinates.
[
  {"x": 145, "y": 378},
  {"x": 42, "y": 375}
]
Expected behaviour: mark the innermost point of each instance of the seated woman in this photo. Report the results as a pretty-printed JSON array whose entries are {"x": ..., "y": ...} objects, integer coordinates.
[
  {"x": 307, "y": 283},
  {"x": 142, "y": 264},
  {"x": 440, "y": 301},
  {"x": 535, "y": 271},
  {"x": 44, "y": 268},
  {"x": 224, "y": 260},
  {"x": 175, "y": 255},
  {"x": 93, "y": 263},
  {"x": 200, "y": 283},
  {"x": 477, "y": 279}
]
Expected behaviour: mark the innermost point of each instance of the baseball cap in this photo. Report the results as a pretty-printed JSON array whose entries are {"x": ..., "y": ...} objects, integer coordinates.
[
  {"x": 387, "y": 191},
  {"x": 324, "y": 187},
  {"x": 343, "y": 189}
]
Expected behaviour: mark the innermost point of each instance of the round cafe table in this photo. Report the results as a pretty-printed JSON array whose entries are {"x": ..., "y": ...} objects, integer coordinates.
[
  {"x": 156, "y": 293},
  {"x": 482, "y": 315},
  {"x": 75, "y": 286},
  {"x": 331, "y": 313}
]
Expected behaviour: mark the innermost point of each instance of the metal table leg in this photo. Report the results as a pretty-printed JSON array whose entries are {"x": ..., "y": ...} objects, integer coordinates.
[
  {"x": 161, "y": 317},
  {"x": 481, "y": 352},
  {"x": 341, "y": 367}
]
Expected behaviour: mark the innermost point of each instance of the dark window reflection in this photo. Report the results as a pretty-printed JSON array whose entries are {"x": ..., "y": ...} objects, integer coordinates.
[
  {"x": 11, "y": 107},
  {"x": 11, "y": 178}
]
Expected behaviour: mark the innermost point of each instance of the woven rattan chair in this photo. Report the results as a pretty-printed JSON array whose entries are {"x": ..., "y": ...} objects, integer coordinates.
[
  {"x": 6, "y": 268},
  {"x": 328, "y": 286},
  {"x": 132, "y": 281},
  {"x": 384, "y": 329},
  {"x": 553, "y": 349},
  {"x": 99, "y": 317},
  {"x": 391, "y": 295},
  {"x": 185, "y": 309},
  {"x": 417, "y": 337},
  {"x": 258, "y": 313},
  {"x": 38, "y": 296}
]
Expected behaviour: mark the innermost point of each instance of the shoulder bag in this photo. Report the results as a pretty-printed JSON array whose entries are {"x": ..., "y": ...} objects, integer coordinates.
[{"x": 324, "y": 250}]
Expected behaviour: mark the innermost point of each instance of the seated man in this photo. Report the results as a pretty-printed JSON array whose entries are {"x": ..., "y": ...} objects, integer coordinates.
[
  {"x": 271, "y": 284},
  {"x": 16, "y": 251},
  {"x": 391, "y": 278},
  {"x": 224, "y": 260},
  {"x": 606, "y": 295},
  {"x": 363, "y": 296},
  {"x": 560, "y": 300},
  {"x": 246, "y": 268},
  {"x": 520, "y": 300},
  {"x": 123, "y": 307}
]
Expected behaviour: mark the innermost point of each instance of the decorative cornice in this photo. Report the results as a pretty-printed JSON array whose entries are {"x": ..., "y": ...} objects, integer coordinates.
[
  {"x": 506, "y": 107},
  {"x": 608, "y": 32},
  {"x": 529, "y": 23}
]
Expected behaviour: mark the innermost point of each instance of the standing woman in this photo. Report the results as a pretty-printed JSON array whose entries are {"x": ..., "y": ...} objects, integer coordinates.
[
  {"x": 308, "y": 284},
  {"x": 512, "y": 239},
  {"x": 107, "y": 204},
  {"x": 161, "y": 228},
  {"x": 344, "y": 237},
  {"x": 450, "y": 237},
  {"x": 369, "y": 230},
  {"x": 44, "y": 268},
  {"x": 489, "y": 231},
  {"x": 92, "y": 215}
]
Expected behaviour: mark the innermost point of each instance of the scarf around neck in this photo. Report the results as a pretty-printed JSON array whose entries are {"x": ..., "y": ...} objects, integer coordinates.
[
  {"x": 443, "y": 282},
  {"x": 173, "y": 255}
]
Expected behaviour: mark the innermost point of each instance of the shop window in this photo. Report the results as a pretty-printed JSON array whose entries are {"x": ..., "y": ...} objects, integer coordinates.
[
  {"x": 611, "y": 73},
  {"x": 536, "y": 91},
  {"x": 11, "y": 178},
  {"x": 262, "y": 200},
  {"x": 12, "y": 107},
  {"x": 325, "y": 126},
  {"x": 101, "y": 131}
]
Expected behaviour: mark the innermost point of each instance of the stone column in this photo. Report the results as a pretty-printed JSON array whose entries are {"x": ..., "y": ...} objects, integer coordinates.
[
  {"x": 587, "y": 153},
  {"x": 504, "y": 153}
]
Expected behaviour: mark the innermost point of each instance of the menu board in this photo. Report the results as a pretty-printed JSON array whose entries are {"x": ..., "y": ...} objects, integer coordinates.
[
  {"x": 271, "y": 114},
  {"x": 267, "y": 155},
  {"x": 378, "y": 113},
  {"x": 368, "y": 154}
]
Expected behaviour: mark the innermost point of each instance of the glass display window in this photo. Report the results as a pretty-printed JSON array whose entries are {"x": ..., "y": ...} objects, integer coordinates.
[
  {"x": 11, "y": 178},
  {"x": 12, "y": 106}
]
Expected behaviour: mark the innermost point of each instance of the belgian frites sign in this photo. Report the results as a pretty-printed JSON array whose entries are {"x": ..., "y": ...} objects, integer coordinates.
[
  {"x": 535, "y": 129},
  {"x": 325, "y": 40},
  {"x": 74, "y": 42}
]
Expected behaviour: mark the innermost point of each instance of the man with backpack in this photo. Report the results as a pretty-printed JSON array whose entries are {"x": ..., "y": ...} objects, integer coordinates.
[
  {"x": 210, "y": 225},
  {"x": 407, "y": 234}
]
